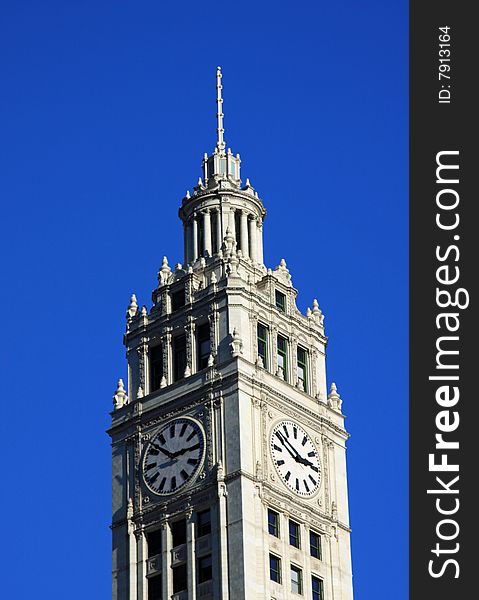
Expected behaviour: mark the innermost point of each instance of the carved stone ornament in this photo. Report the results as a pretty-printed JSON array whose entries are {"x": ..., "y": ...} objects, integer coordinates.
[{"x": 120, "y": 398}]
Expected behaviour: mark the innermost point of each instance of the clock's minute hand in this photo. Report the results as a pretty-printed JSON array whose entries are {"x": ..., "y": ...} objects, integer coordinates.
[
  {"x": 284, "y": 441},
  {"x": 296, "y": 456}
]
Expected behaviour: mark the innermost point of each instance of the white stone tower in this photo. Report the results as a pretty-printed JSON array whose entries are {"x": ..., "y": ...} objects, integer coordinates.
[{"x": 229, "y": 469}]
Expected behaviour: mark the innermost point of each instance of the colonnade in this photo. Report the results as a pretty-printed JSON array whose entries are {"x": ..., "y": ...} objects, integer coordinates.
[{"x": 204, "y": 233}]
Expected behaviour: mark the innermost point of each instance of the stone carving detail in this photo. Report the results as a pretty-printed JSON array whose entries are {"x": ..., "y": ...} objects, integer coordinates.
[
  {"x": 236, "y": 344},
  {"x": 120, "y": 398},
  {"x": 142, "y": 352},
  {"x": 325, "y": 471},
  {"x": 164, "y": 272},
  {"x": 282, "y": 273},
  {"x": 334, "y": 399},
  {"x": 314, "y": 377},
  {"x": 132, "y": 309}
]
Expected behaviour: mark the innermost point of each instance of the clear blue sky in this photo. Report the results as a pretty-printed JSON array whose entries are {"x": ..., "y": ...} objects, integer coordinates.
[{"x": 106, "y": 110}]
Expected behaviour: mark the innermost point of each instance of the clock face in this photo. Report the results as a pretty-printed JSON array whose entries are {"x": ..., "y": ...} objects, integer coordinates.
[
  {"x": 296, "y": 458},
  {"x": 173, "y": 456}
]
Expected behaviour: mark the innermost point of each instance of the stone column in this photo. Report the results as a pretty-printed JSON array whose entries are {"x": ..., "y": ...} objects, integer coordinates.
[
  {"x": 142, "y": 589},
  {"x": 167, "y": 357},
  {"x": 244, "y": 234},
  {"x": 207, "y": 232},
  {"x": 218, "y": 231},
  {"x": 260, "y": 241},
  {"x": 191, "y": 554},
  {"x": 166, "y": 571},
  {"x": 185, "y": 243},
  {"x": 252, "y": 240},
  {"x": 194, "y": 255},
  {"x": 132, "y": 544},
  {"x": 223, "y": 540},
  {"x": 231, "y": 221}
]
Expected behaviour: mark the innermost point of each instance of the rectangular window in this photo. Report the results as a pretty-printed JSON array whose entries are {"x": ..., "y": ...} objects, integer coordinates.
[
  {"x": 263, "y": 344},
  {"x": 317, "y": 585},
  {"x": 153, "y": 539},
  {"x": 296, "y": 580},
  {"x": 294, "y": 534},
  {"x": 238, "y": 231},
  {"x": 205, "y": 569},
  {"x": 156, "y": 367},
  {"x": 274, "y": 568},
  {"x": 280, "y": 300},
  {"x": 154, "y": 588},
  {"x": 179, "y": 579},
  {"x": 315, "y": 544},
  {"x": 282, "y": 345},
  {"x": 203, "y": 522},
  {"x": 178, "y": 533},
  {"x": 273, "y": 523},
  {"x": 201, "y": 237},
  {"x": 179, "y": 357},
  {"x": 214, "y": 232},
  {"x": 177, "y": 300},
  {"x": 302, "y": 358},
  {"x": 203, "y": 345}
]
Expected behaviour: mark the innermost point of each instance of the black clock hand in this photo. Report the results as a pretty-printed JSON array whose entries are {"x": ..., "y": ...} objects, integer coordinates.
[
  {"x": 184, "y": 450},
  {"x": 284, "y": 441},
  {"x": 165, "y": 452},
  {"x": 297, "y": 457}
]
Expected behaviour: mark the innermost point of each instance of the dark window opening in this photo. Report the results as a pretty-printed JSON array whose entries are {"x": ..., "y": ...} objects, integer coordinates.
[
  {"x": 214, "y": 232},
  {"x": 179, "y": 579},
  {"x": 155, "y": 588},
  {"x": 315, "y": 544},
  {"x": 153, "y": 539},
  {"x": 282, "y": 355},
  {"x": 156, "y": 367},
  {"x": 294, "y": 534},
  {"x": 205, "y": 569},
  {"x": 203, "y": 520},
  {"x": 263, "y": 344},
  {"x": 203, "y": 345},
  {"x": 179, "y": 357},
  {"x": 317, "y": 585},
  {"x": 177, "y": 299},
  {"x": 274, "y": 568},
  {"x": 302, "y": 357},
  {"x": 201, "y": 237},
  {"x": 238, "y": 230},
  {"x": 178, "y": 533},
  {"x": 280, "y": 301},
  {"x": 273, "y": 523}
]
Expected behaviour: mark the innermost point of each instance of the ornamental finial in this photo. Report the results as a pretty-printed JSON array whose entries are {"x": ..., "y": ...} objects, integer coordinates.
[{"x": 220, "y": 144}]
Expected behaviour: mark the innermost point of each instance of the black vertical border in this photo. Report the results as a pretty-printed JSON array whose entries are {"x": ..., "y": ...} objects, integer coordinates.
[{"x": 437, "y": 127}]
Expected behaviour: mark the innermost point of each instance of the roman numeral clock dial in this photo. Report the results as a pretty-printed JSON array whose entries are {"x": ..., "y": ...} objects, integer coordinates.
[
  {"x": 173, "y": 456},
  {"x": 296, "y": 458}
]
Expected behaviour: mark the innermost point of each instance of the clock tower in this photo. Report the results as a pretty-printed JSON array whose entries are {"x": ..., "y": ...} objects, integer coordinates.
[{"x": 228, "y": 448}]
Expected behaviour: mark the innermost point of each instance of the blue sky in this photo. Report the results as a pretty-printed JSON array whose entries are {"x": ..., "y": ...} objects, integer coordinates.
[{"x": 106, "y": 110}]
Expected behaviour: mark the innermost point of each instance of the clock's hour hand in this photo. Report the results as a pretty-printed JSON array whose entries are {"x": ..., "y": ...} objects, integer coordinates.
[
  {"x": 165, "y": 452},
  {"x": 184, "y": 450}
]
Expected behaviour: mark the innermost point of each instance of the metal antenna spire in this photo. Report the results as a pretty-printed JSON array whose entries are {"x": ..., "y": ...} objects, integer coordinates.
[{"x": 220, "y": 144}]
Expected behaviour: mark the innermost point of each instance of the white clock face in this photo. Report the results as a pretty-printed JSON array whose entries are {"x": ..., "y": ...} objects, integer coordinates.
[
  {"x": 296, "y": 458},
  {"x": 173, "y": 456}
]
